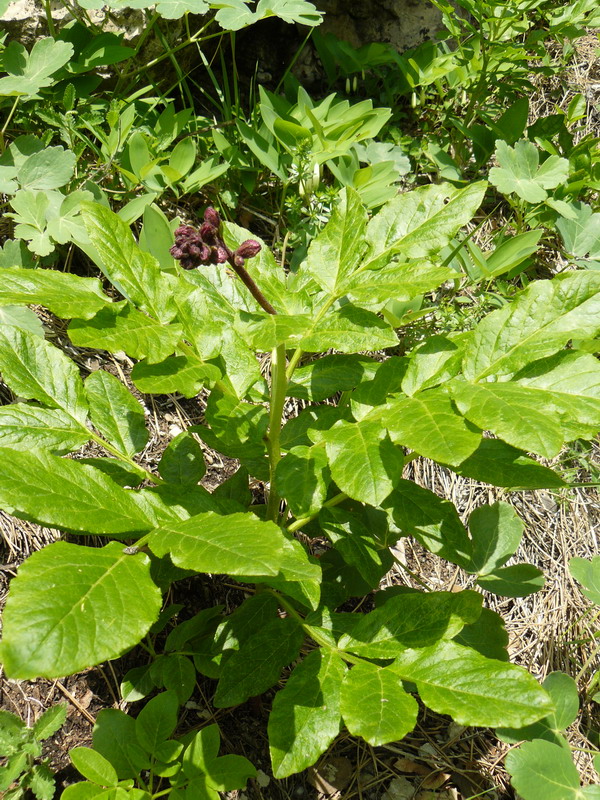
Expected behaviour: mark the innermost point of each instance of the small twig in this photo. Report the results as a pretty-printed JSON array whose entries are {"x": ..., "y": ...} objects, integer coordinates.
[{"x": 75, "y": 702}]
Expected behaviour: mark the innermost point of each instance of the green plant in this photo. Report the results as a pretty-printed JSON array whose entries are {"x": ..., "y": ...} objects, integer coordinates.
[
  {"x": 334, "y": 471},
  {"x": 135, "y": 758},
  {"x": 21, "y": 746}
]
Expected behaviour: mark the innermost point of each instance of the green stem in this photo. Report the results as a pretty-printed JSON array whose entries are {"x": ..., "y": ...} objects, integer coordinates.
[
  {"x": 299, "y": 352},
  {"x": 302, "y": 521},
  {"x": 10, "y": 116},
  {"x": 278, "y": 394}
]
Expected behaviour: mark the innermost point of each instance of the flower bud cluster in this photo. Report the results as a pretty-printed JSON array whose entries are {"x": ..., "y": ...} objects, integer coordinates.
[{"x": 194, "y": 247}]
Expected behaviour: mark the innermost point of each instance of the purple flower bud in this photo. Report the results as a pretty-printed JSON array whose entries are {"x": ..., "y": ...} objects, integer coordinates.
[
  {"x": 208, "y": 233},
  {"x": 222, "y": 254},
  {"x": 211, "y": 216},
  {"x": 248, "y": 249},
  {"x": 238, "y": 260}
]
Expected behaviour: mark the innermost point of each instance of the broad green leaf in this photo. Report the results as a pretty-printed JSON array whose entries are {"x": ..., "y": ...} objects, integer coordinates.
[
  {"x": 541, "y": 768},
  {"x": 183, "y": 461},
  {"x": 375, "y": 706},
  {"x": 373, "y": 288},
  {"x": 520, "y": 416},
  {"x": 237, "y": 428},
  {"x": 349, "y": 329},
  {"x": 178, "y": 673},
  {"x": 306, "y": 718},
  {"x": 303, "y": 478},
  {"x": 24, "y": 427},
  {"x": 93, "y": 766},
  {"x": 588, "y": 575},
  {"x": 435, "y": 361},
  {"x": 433, "y": 522},
  {"x": 49, "y": 168},
  {"x": 496, "y": 532},
  {"x": 324, "y": 377},
  {"x": 201, "y": 761},
  {"x": 257, "y": 665},
  {"x": 429, "y": 424},
  {"x": 236, "y": 544},
  {"x": 420, "y": 222},
  {"x": 363, "y": 461},
  {"x": 520, "y": 171},
  {"x": 65, "y": 295},
  {"x": 156, "y": 721},
  {"x": 290, "y": 11},
  {"x": 23, "y": 318},
  {"x": 354, "y": 541},
  {"x": 518, "y": 580},
  {"x": 411, "y": 619},
  {"x": 539, "y": 322},
  {"x": 472, "y": 689},
  {"x": 36, "y": 370},
  {"x": 175, "y": 374},
  {"x": 337, "y": 251},
  {"x": 55, "y": 621},
  {"x": 114, "y": 737},
  {"x": 374, "y": 391},
  {"x": 64, "y": 493},
  {"x": 563, "y": 691},
  {"x": 265, "y": 331},
  {"x": 30, "y": 72},
  {"x": 135, "y": 274},
  {"x": 123, "y": 328},
  {"x": 581, "y": 235},
  {"x": 500, "y": 464},
  {"x": 299, "y": 431},
  {"x": 115, "y": 413},
  {"x": 487, "y": 635},
  {"x": 50, "y": 722}
]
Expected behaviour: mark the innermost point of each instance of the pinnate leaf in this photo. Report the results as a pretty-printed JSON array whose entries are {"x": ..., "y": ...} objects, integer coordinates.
[
  {"x": 375, "y": 706},
  {"x": 65, "y": 295},
  {"x": 24, "y": 427},
  {"x": 156, "y": 721},
  {"x": 116, "y": 413},
  {"x": 93, "y": 766},
  {"x": 473, "y": 689},
  {"x": 306, "y": 714},
  {"x": 103, "y": 602},
  {"x": 183, "y": 461},
  {"x": 201, "y": 761},
  {"x": 174, "y": 374}
]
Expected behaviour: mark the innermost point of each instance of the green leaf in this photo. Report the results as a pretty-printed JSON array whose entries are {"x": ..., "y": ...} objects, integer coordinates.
[
  {"x": 50, "y": 722},
  {"x": 12, "y": 733},
  {"x": 429, "y": 424},
  {"x": 539, "y": 322},
  {"x": 433, "y": 522},
  {"x": 65, "y": 295},
  {"x": 581, "y": 235},
  {"x": 66, "y": 494},
  {"x": 349, "y": 329},
  {"x": 36, "y": 370},
  {"x": 363, "y": 462},
  {"x": 236, "y": 544},
  {"x": 23, "y": 427},
  {"x": 375, "y": 706},
  {"x": 93, "y": 766},
  {"x": 336, "y": 252},
  {"x": 402, "y": 282},
  {"x": 500, "y": 464},
  {"x": 473, "y": 689},
  {"x": 496, "y": 532},
  {"x": 420, "y": 222},
  {"x": 588, "y": 575},
  {"x": 520, "y": 172},
  {"x": 324, "y": 377},
  {"x": 123, "y": 328},
  {"x": 411, "y": 619},
  {"x": 487, "y": 635},
  {"x": 178, "y": 674},
  {"x": 257, "y": 665},
  {"x": 237, "y": 428},
  {"x": 431, "y": 363},
  {"x": 183, "y": 461},
  {"x": 41, "y": 782},
  {"x": 115, "y": 413},
  {"x": 156, "y": 721},
  {"x": 49, "y": 168},
  {"x": 30, "y": 72},
  {"x": 354, "y": 541},
  {"x": 114, "y": 736},
  {"x": 175, "y": 374},
  {"x": 563, "y": 691},
  {"x": 299, "y": 431},
  {"x": 518, "y": 580},
  {"x": 303, "y": 478},
  {"x": 23, "y": 318},
  {"x": 135, "y": 274},
  {"x": 541, "y": 768},
  {"x": 87, "y": 587},
  {"x": 265, "y": 331},
  {"x": 223, "y": 774},
  {"x": 306, "y": 713}
]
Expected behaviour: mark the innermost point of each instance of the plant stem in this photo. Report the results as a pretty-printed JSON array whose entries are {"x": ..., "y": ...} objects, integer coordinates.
[
  {"x": 302, "y": 521},
  {"x": 278, "y": 394},
  {"x": 256, "y": 293}
]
